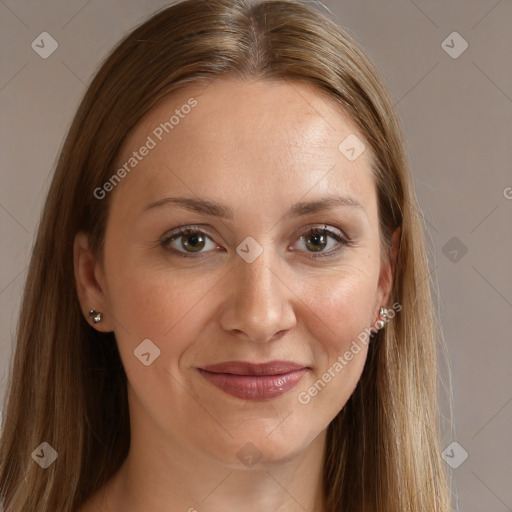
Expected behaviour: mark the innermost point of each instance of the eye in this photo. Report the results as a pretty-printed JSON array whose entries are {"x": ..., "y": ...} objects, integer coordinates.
[
  {"x": 323, "y": 241},
  {"x": 187, "y": 240},
  {"x": 191, "y": 241}
]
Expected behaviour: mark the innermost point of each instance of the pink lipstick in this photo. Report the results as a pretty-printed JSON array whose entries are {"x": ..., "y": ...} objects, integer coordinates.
[{"x": 254, "y": 381}]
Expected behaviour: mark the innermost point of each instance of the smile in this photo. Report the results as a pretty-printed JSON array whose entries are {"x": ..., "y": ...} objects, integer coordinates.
[{"x": 252, "y": 381}]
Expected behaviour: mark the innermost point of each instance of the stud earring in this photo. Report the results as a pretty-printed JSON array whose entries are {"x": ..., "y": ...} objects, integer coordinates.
[
  {"x": 384, "y": 314},
  {"x": 96, "y": 317}
]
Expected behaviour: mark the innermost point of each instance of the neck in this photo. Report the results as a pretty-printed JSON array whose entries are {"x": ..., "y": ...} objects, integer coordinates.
[{"x": 162, "y": 475}]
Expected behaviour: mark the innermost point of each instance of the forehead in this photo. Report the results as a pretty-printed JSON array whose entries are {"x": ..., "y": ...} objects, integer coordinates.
[{"x": 276, "y": 140}]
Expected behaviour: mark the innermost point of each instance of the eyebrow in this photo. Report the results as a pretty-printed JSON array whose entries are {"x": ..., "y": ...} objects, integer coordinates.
[{"x": 225, "y": 212}]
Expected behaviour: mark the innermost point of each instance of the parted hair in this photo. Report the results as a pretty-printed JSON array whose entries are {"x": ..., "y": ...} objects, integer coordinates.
[{"x": 67, "y": 385}]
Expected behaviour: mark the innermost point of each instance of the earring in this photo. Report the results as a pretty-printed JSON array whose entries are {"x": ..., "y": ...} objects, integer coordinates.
[
  {"x": 384, "y": 314},
  {"x": 96, "y": 317}
]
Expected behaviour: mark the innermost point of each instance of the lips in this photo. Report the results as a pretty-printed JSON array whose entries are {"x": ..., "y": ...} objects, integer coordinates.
[{"x": 254, "y": 381}]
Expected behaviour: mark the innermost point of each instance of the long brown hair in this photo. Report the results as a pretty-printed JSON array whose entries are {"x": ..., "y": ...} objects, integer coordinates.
[{"x": 68, "y": 385}]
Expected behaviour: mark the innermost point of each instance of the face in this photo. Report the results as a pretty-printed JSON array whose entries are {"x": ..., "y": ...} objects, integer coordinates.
[{"x": 241, "y": 236}]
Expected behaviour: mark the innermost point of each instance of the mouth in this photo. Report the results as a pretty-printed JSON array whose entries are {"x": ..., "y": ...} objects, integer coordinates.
[{"x": 254, "y": 381}]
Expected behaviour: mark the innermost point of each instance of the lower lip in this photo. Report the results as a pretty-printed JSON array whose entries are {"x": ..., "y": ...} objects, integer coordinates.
[{"x": 254, "y": 387}]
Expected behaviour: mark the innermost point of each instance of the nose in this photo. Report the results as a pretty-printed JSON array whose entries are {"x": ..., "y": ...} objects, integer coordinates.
[{"x": 260, "y": 304}]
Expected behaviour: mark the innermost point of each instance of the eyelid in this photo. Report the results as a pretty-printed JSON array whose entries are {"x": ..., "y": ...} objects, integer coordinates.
[
  {"x": 322, "y": 227},
  {"x": 200, "y": 228},
  {"x": 339, "y": 235},
  {"x": 173, "y": 234}
]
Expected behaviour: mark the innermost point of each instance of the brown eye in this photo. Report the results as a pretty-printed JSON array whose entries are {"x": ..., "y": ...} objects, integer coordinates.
[
  {"x": 323, "y": 241},
  {"x": 316, "y": 241},
  {"x": 187, "y": 241},
  {"x": 193, "y": 241}
]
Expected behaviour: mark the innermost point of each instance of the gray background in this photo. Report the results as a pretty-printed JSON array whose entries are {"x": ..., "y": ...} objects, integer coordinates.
[{"x": 457, "y": 115}]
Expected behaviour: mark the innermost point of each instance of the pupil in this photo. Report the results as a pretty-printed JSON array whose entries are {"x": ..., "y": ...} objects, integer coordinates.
[
  {"x": 317, "y": 239},
  {"x": 189, "y": 241}
]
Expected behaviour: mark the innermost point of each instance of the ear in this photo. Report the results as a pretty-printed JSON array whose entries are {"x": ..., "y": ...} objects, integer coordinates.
[
  {"x": 90, "y": 283},
  {"x": 387, "y": 272}
]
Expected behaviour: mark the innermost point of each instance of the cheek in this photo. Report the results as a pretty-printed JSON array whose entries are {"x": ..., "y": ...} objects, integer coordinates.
[
  {"x": 159, "y": 304},
  {"x": 339, "y": 305},
  {"x": 166, "y": 307},
  {"x": 336, "y": 319}
]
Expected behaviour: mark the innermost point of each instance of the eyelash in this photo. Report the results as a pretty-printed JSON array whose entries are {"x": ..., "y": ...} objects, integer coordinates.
[{"x": 343, "y": 240}]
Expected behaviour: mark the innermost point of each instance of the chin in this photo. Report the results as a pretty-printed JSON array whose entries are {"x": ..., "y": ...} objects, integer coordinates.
[{"x": 256, "y": 450}]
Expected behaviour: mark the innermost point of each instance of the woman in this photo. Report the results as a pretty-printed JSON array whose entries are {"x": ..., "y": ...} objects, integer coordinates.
[{"x": 227, "y": 306}]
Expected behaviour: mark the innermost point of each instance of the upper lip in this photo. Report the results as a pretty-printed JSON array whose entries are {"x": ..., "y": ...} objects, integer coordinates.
[{"x": 248, "y": 368}]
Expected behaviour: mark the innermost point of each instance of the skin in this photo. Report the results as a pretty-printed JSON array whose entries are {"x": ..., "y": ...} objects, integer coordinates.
[{"x": 259, "y": 148}]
